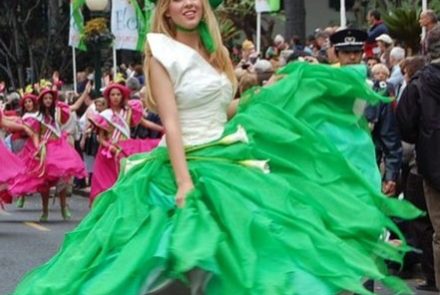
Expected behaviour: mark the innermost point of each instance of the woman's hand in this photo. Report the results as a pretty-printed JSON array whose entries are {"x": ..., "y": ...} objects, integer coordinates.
[{"x": 182, "y": 191}]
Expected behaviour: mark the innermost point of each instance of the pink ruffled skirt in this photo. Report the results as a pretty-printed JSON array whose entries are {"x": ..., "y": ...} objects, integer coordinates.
[
  {"x": 11, "y": 166},
  {"x": 106, "y": 168},
  {"x": 61, "y": 163}
]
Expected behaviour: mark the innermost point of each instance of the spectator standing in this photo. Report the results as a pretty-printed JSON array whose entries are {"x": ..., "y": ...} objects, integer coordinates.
[
  {"x": 382, "y": 122},
  {"x": 139, "y": 74},
  {"x": 322, "y": 43},
  {"x": 134, "y": 86},
  {"x": 428, "y": 19},
  {"x": 372, "y": 61},
  {"x": 419, "y": 123},
  {"x": 248, "y": 55},
  {"x": 279, "y": 44},
  {"x": 89, "y": 140},
  {"x": 397, "y": 55},
  {"x": 385, "y": 44},
  {"x": 377, "y": 28},
  {"x": 419, "y": 230}
]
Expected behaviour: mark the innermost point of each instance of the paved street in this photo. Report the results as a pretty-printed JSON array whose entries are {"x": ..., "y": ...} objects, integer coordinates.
[{"x": 25, "y": 243}]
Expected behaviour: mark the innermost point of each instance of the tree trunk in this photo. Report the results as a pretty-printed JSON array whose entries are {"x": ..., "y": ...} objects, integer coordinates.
[
  {"x": 53, "y": 16},
  {"x": 18, "y": 51},
  {"x": 7, "y": 70},
  {"x": 295, "y": 19}
]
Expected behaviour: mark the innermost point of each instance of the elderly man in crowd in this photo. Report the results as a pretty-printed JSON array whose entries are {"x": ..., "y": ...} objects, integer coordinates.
[
  {"x": 428, "y": 19},
  {"x": 419, "y": 122},
  {"x": 397, "y": 55}
]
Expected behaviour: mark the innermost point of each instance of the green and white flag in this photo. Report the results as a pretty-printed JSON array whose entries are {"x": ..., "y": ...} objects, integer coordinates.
[
  {"x": 143, "y": 18},
  {"x": 76, "y": 31},
  {"x": 267, "y": 5}
]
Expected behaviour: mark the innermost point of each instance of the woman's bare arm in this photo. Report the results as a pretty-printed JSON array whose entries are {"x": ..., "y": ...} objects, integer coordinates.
[
  {"x": 74, "y": 107},
  {"x": 11, "y": 125},
  {"x": 163, "y": 93}
]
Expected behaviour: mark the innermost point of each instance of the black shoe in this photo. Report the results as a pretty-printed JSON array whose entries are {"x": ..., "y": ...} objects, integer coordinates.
[{"x": 427, "y": 287}]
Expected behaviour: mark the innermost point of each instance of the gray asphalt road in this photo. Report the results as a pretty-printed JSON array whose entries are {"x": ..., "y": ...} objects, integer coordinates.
[{"x": 26, "y": 243}]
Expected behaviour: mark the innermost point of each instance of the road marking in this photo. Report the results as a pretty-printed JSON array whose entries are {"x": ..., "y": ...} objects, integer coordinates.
[
  {"x": 3, "y": 212},
  {"x": 36, "y": 226}
]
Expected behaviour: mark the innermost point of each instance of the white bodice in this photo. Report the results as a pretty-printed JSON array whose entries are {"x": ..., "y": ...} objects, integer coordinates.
[{"x": 202, "y": 93}]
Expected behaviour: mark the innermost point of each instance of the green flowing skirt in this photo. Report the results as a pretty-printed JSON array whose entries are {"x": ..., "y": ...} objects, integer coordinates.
[{"x": 313, "y": 224}]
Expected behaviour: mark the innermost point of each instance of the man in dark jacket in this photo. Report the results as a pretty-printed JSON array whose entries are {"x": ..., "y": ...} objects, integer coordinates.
[
  {"x": 377, "y": 28},
  {"x": 382, "y": 122},
  {"x": 418, "y": 115}
]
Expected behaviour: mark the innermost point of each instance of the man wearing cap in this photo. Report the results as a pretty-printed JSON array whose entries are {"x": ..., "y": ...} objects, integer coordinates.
[
  {"x": 349, "y": 48},
  {"x": 348, "y": 45},
  {"x": 385, "y": 44}
]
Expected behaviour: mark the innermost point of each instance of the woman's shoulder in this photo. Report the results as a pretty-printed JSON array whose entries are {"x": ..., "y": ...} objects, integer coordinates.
[
  {"x": 153, "y": 37},
  {"x": 171, "y": 54},
  {"x": 161, "y": 44}
]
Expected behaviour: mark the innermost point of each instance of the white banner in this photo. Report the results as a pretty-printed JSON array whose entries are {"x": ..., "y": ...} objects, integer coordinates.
[
  {"x": 267, "y": 5},
  {"x": 74, "y": 33},
  {"x": 124, "y": 25}
]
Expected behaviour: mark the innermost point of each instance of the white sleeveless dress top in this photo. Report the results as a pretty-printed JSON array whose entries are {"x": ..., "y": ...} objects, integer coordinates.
[{"x": 202, "y": 93}]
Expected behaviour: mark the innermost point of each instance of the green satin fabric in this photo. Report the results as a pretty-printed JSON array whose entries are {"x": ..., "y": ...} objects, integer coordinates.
[{"x": 313, "y": 225}]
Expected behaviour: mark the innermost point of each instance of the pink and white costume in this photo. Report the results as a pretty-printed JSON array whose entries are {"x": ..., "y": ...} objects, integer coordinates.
[
  {"x": 11, "y": 166},
  {"x": 58, "y": 161},
  {"x": 117, "y": 125}
]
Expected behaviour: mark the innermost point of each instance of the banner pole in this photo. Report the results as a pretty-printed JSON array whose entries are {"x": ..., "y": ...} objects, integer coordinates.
[
  {"x": 343, "y": 15},
  {"x": 424, "y": 8},
  {"x": 75, "y": 82},
  {"x": 115, "y": 68},
  {"x": 258, "y": 32}
]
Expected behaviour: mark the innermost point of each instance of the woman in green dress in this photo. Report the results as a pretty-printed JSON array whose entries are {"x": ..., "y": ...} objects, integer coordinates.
[{"x": 284, "y": 198}]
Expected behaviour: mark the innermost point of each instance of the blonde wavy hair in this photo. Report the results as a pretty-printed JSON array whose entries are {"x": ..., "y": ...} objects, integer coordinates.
[{"x": 162, "y": 24}]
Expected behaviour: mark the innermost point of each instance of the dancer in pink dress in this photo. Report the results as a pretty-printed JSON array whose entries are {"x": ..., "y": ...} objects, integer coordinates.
[
  {"x": 114, "y": 136},
  {"x": 53, "y": 161},
  {"x": 11, "y": 164},
  {"x": 29, "y": 105}
]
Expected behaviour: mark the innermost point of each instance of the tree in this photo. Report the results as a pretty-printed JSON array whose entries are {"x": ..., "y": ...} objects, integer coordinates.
[
  {"x": 243, "y": 16},
  {"x": 295, "y": 18},
  {"x": 34, "y": 40}
]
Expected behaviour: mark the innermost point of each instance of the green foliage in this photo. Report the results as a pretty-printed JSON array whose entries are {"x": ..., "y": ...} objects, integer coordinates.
[
  {"x": 435, "y": 5},
  {"x": 228, "y": 30},
  {"x": 241, "y": 14},
  {"x": 238, "y": 7},
  {"x": 404, "y": 26}
]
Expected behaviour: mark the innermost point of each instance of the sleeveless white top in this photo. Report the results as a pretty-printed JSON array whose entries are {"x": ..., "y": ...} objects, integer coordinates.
[{"x": 202, "y": 93}]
